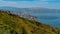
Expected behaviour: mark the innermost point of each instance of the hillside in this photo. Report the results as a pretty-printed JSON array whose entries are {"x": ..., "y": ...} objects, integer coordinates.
[{"x": 14, "y": 24}]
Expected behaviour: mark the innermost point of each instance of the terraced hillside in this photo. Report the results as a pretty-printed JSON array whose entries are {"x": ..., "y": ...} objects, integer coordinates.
[{"x": 14, "y": 24}]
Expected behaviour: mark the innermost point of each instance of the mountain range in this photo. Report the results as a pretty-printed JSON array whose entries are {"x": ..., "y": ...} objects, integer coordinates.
[{"x": 30, "y": 10}]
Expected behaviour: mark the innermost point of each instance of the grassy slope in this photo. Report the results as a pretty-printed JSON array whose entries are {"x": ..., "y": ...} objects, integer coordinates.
[{"x": 13, "y": 24}]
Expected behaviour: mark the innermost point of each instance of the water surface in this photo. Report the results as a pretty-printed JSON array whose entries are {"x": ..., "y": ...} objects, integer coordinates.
[{"x": 52, "y": 19}]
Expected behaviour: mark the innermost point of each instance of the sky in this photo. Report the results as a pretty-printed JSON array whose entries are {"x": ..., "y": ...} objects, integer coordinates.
[{"x": 53, "y": 4}]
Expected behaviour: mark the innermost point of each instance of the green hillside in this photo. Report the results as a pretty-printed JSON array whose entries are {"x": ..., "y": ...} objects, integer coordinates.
[{"x": 14, "y": 24}]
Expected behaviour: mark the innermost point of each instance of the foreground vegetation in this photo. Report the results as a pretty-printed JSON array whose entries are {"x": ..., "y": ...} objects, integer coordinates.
[{"x": 14, "y": 24}]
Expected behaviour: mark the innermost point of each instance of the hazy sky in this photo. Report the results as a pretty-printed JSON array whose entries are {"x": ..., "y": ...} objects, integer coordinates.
[{"x": 54, "y": 4}]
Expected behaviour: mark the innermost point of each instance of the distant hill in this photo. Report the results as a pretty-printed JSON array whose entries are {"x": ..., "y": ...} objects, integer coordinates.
[
  {"x": 14, "y": 24},
  {"x": 31, "y": 10}
]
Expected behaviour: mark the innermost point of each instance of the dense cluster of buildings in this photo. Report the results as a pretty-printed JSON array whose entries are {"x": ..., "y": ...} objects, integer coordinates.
[{"x": 25, "y": 15}]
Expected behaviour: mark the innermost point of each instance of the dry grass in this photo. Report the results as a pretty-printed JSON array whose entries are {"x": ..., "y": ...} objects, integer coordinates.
[{"x": 13, "y": 24}]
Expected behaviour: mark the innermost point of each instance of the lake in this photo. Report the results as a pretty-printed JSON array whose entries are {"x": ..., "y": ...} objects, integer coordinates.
[{"x": 52, "y": 19}]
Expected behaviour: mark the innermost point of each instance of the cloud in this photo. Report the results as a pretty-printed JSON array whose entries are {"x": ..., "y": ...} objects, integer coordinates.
[
  {"x": 39, "y": 3},
  {"x": 18, "y": 0},
  {"x": 43, "y": 0},
  {"x": 1, "y": 0},
  {"x": 4, "y": 3},
  {"x": 29, "y": 4},
  {"x": 49, "y": 1},
  {"x": 29, "y": 0}
]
